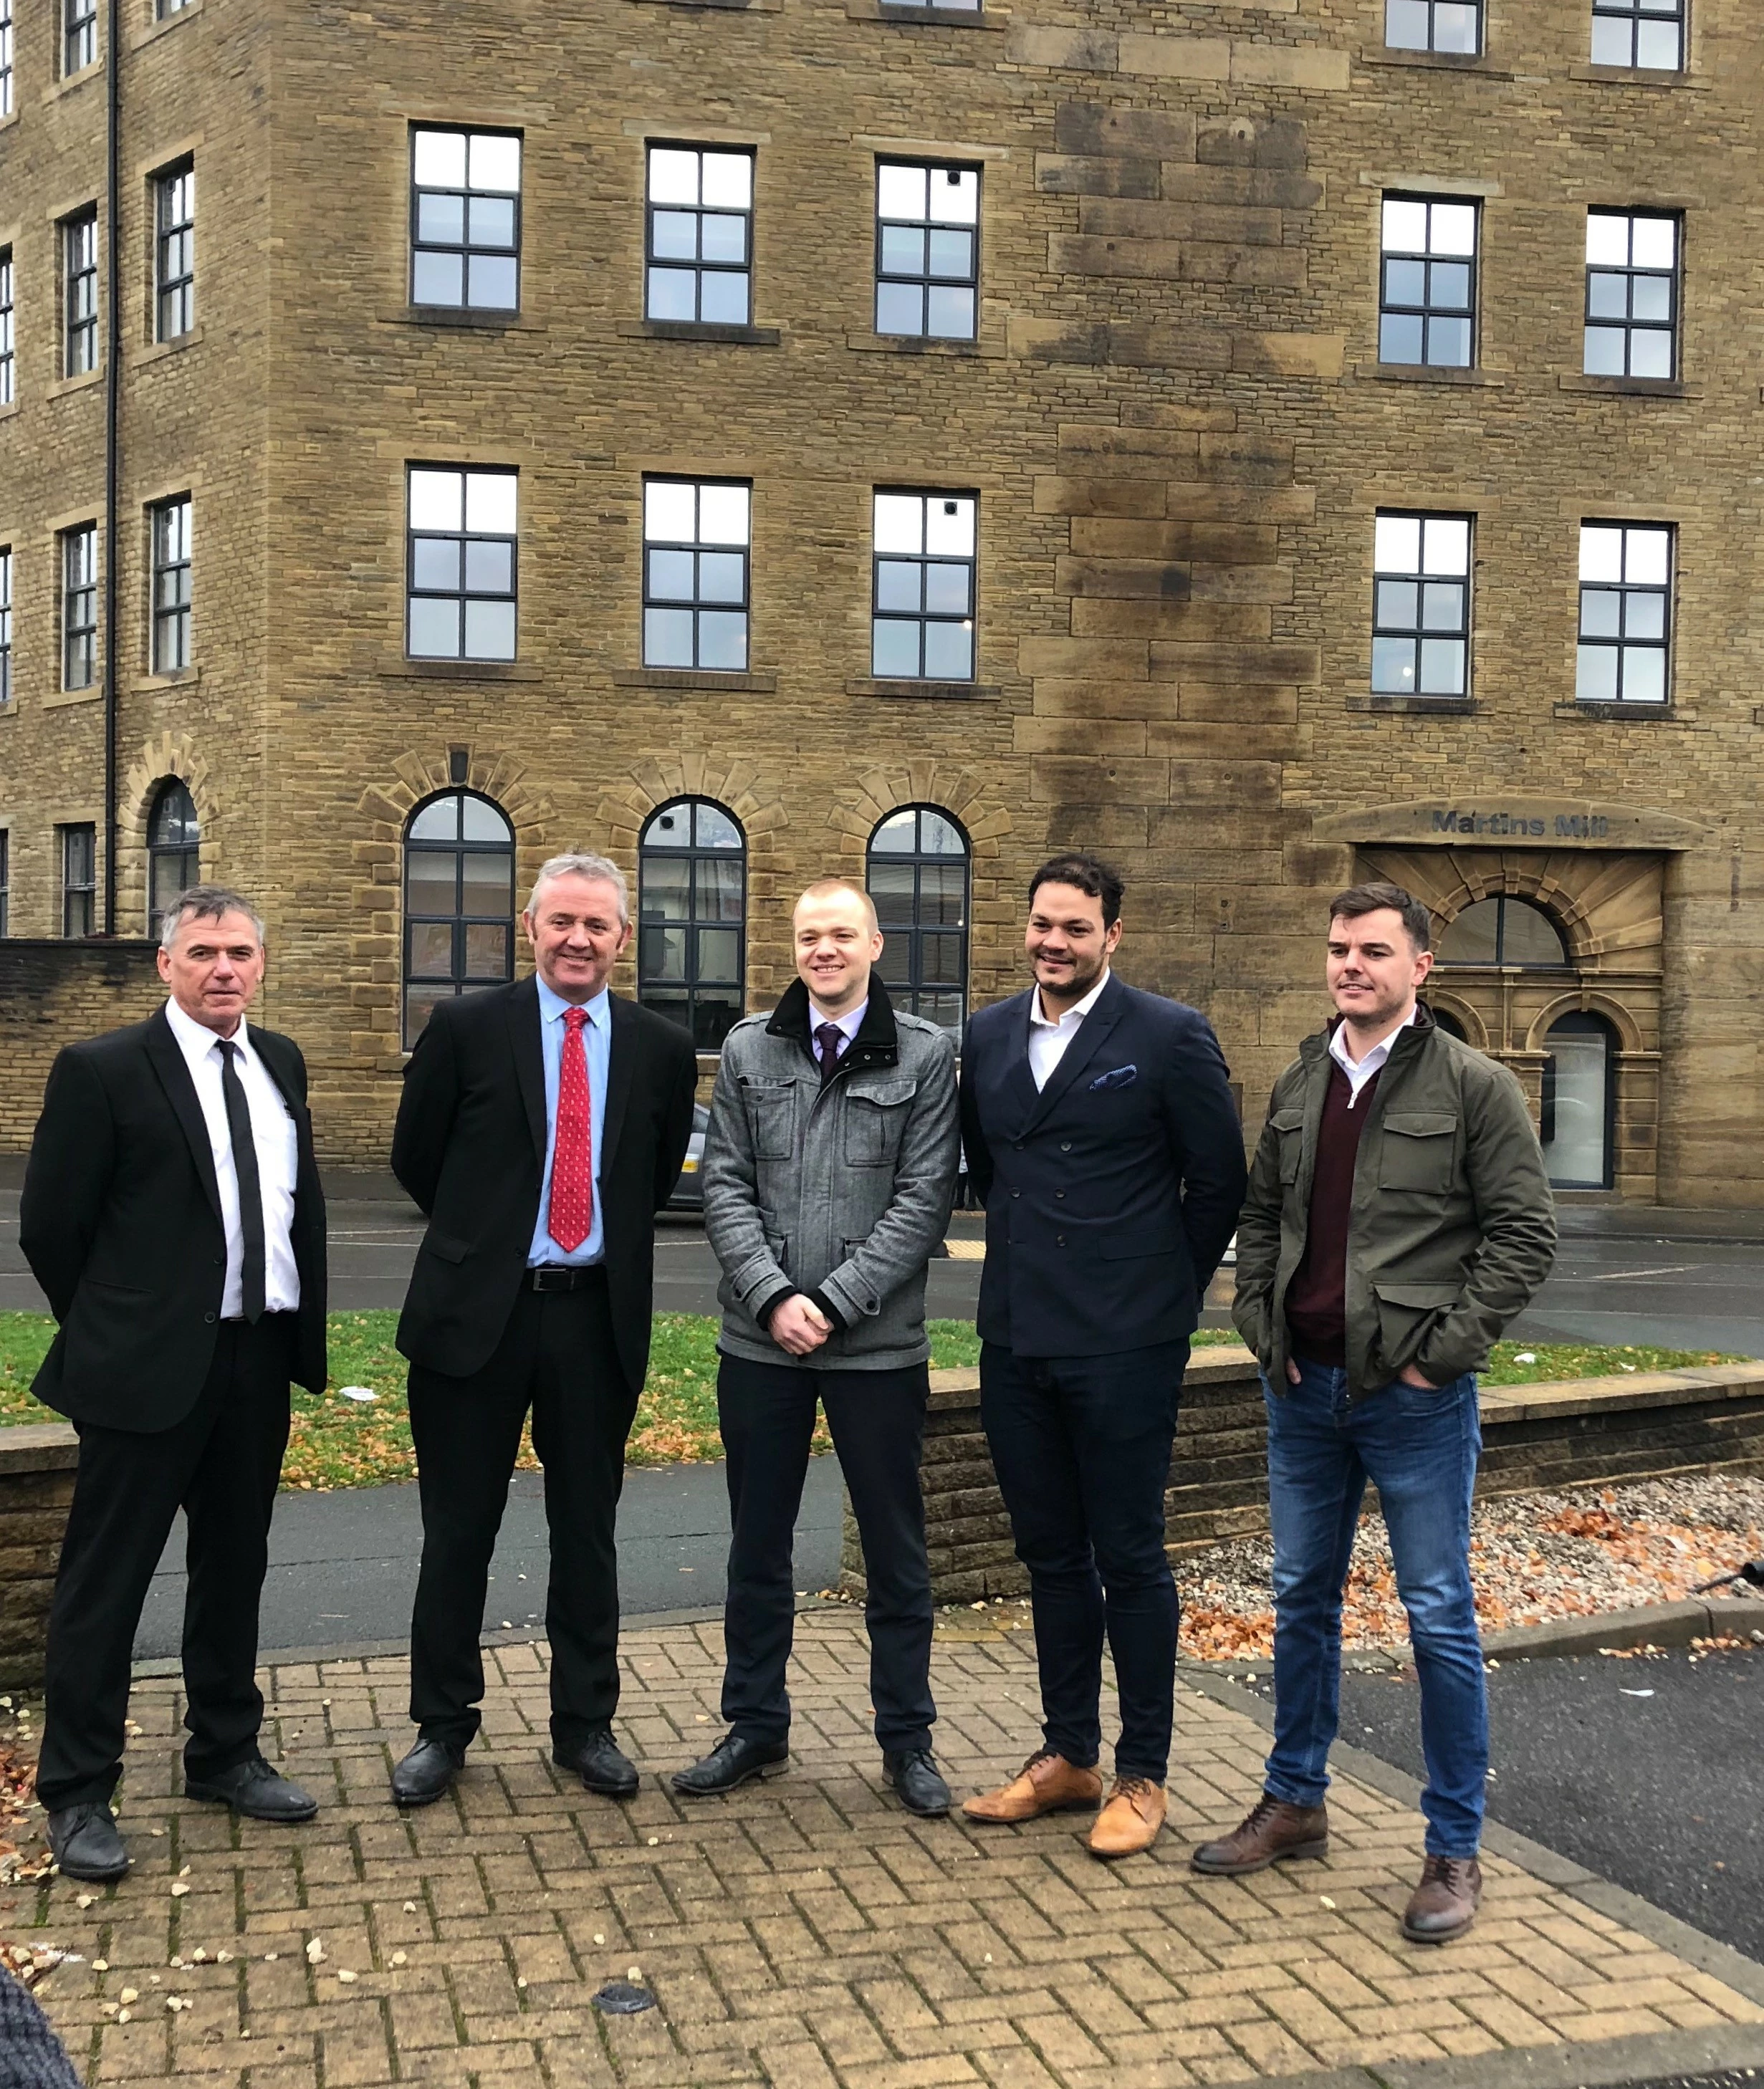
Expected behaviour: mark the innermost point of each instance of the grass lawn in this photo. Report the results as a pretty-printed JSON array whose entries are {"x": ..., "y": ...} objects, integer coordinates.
[{"x": 338, "y": 1443}]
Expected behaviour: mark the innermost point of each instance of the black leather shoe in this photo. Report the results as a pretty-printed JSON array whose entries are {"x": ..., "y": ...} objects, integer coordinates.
[
  {"x": 255, "y": 1789},
  {"x": 86, "y": 1845},
  {"x": 916, "y": 1776},
  {"x": 731, "y": 1762},
  {"x": 601, "y": 1764},
  {"x": 426, "y": 1772}
]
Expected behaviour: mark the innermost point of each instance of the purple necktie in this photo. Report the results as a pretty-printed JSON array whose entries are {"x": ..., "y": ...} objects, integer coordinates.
[{"x": 830, "y": 1038}]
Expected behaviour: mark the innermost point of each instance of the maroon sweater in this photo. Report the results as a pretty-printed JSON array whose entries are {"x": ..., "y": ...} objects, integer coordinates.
[{"x": 1317, "y": 1298}]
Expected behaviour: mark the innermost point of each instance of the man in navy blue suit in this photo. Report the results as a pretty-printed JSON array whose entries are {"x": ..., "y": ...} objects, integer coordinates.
[{"x": 1103, "y": 1140}]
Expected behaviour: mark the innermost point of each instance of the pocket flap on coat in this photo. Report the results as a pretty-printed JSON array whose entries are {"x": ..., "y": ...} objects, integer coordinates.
[
  {"x": 445, "y": 1245},
  {"x": 1422, "y": 1297},
  {"x": 1420, "y": 1124},
  {"x": 1289, "y": 1120},
  {"x": 886, "y": 1095}
]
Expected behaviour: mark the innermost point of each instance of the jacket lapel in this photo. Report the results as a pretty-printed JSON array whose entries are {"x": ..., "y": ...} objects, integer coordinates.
[
  {"x": 523, "y": 1013},
  {"x": 1020, "y": 1091},
  {"x": 168, "y": 1063},
  {"x": 1092, "y": 1031},
  {"x": 621, "y": 1064}
]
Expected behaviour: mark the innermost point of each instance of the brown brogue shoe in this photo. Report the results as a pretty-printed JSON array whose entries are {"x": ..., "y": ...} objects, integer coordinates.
[
  {"x": 1046, "y": 1783},
  {"x": 1445, "y": 1904},
  {"x": 1131, "y": 1820},
  {"x": 1271, "y": 1831}
]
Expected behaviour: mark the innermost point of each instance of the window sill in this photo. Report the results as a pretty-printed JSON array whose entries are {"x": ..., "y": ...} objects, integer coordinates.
[
  {"x": 70, "y": 83},
  {"x": 914, "y": 344},
  {"x": 725, "y": 6},
  {"x": 1423, "y": 373},
  {"x": 750, "y": 336},
  {"x": 180, "y": 678},
  {"x": 1417, "y": 706},
  {"x": 63, "y": 699},
  {"x": 695, "y": 678},
  {"x": 1641, "y": 76},
  {"x": 1623, "y": 713},
  {"x": 1640, "y": 387},
  {"x": 461, "y": 671},
  {"x": 936, "y": 693},
  {"x": 156, "y": 351},
  {"x": 83, "y": 382},
  {"x": 922, "y": 18},
  {"x": 1434, "y": 61},
  {"x": 155, "y": 30},
  {"x": 8, "y": 409},
  {"x": 9, "y": 119},
  {"x": 460, "y": 318}
]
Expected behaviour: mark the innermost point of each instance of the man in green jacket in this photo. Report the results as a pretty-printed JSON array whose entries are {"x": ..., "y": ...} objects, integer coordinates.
[{"x": 1399, "y": 1217}]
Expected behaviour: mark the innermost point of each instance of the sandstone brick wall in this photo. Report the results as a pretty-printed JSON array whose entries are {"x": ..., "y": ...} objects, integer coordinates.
[
  {"x": 37, "y": 1490},
  {"x": 53, "y": 994}
]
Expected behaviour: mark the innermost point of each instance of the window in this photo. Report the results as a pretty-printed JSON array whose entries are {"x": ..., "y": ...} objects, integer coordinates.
[
  {"x": 1503, "y": 931},
  {"x": 465, "y": 220},
  {"x": 163, "y": 10},
  {"x": 927, "y": 250},
  {"x": 1579, "y": 1102},
  {"x": 1421, "y": 604},
  {"x": 696, "y": 534},
  {"x": 80, "y": 35},
  {"x": 171, "y": 585},
  {"x": 701, "y": 236},
  {"x": 917, "y": 875},
  {"x": 1631, "y": 294},
  {"x": 80, "y": 879},
  {"x": 922, "y": 624},
  {"x": 1625, "y": 613},
  {"x": 458, "y": 903},
  {"x": 174, "y": 259},
  {"x": 80, "y": 293},
  {"x": 1648, "y": 33},
  {"x": 6, "y": 879},
  {"x": 461, "y": 565},
  {"x": 1427, "y": 291},
  {"x": 174, "y": 850},
  {"x": 5, "y": 58},
  {"x": 692, "y": 918},
  {"x": 1433, "y": 25},
  {"x": 79, "y": 606},
  {"x": 6, "y": 624},
  {"x": 8, "y": 362}
]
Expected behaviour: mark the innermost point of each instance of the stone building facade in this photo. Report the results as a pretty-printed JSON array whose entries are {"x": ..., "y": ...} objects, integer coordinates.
[{"x": 1179, "y": 419}]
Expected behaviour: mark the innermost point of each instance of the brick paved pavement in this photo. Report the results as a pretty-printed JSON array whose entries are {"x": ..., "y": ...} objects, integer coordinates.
[{"x": 805, "y": 1933}]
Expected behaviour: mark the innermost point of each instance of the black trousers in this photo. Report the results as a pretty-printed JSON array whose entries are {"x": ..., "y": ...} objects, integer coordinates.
[
  {"x": 1082, "y": 1446},
  {"x": 557, "y": 1356},
  {"x": 766, "y": 1414},
  {"x": 221, "y": 1466}
]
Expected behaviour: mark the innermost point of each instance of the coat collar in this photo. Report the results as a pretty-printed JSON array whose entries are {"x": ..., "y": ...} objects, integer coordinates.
[
  {"x": 877, "y": 1041},
  {"x": 1409, "y": 1039}
]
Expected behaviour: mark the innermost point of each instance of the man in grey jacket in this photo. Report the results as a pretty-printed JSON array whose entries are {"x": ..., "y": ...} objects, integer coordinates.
[{"x": 829, "y": 1169}]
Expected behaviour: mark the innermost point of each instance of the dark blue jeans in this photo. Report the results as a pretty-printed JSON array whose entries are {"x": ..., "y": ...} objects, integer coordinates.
[
  {"x": 1419, "y": 1449},
  {"x": 1081, "y": 1446}
]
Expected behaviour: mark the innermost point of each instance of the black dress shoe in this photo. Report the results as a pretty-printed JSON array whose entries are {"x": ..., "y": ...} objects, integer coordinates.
[
  {"x": 426, "y": 1772},
  {"x": 601, "y": 1764},
  {"x": 255, "y": 1789},
  {"x": 916, "y": 1776},
  {"x": 86, "y": 1844},
  {"x": 731, "y": 1762}
]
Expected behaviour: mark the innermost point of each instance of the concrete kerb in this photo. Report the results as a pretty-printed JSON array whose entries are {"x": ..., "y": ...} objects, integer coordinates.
[{"x": 1653, "y": 2055}]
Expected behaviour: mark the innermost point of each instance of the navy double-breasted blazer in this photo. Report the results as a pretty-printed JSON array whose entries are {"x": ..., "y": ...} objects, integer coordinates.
[{"x": 1111, "y": 1194}]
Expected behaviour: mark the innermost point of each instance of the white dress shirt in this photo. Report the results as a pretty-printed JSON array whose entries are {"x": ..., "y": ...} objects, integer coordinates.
[
  {"x": 1049, "y": 1036},
  {"x": 272, "y": 1134},
  {"x": 1360, "y": 1071},
  {"x": 847, "y": 1024}
]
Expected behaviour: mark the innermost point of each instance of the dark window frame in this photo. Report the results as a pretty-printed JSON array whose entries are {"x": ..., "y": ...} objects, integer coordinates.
[
  {"x": 923, "y": 279},
  {"x": 724, "y": 999},
  {"x": 1429, "y": 311},
  {"x": 1419, "y": 632},
  {"x": 923, "y": 618},
  {"x": 1631, "y": 14},
  {"x": 459, "y": 979},
  {"x": 465, "y": 247},
  {"x": 78, "y": 852},
  {"x": 6, "y": 880},
  {"x": 173, "y": 847},
  {"x": 171, "y": 568},
  {"x": 6, "y": 625},
  {"x": 697, "y": 267},
  {"x": 174, "y": 251},
  {"x": 908, "y": 988},
  {"x": 698, "y": 605},
  {"x": 1433, "y": 8},
  {"x": 164, "y": 10},
  {"x": 1630, "y": 274},
  {"x": 1503, "y": 901},
  {"x": 6, "y": 59},
  {"x": 1585, "y": 1022},
  {"x": 79, "y": 606},
  {"x": 79, "y": 36},
  {"x": 80, "y": 292},
  {"x": 463, "y": 593},
  {"x": 1622, "y": 643},
  {"x": 9, "y": 361}
]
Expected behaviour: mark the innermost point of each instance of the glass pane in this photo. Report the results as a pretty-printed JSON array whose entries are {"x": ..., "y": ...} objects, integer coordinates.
[
  {"x": 894, "y": 648},
  {"x": 1398, "y": 606},
  {"x": 676, "y": 1007},
  {"x": 490, "y": 568},
  {"x": 438, "y": 821},
  {"x": 899, "y": 522},
  {"x": 668, "y": 638},
  {"x": 723, "y": 517},
  {"x": 672, "y": 295},
  {"x": 1644, "y": 615},
  {"x": 1644, "y": 674},
  {"x": 1529, "y": 936},
  {"x": 1601, "y": 611},
  {"x": 1455, "y": 27},
  {"x": 429, "y": 887},
  {"x": 1595, "y": 674},
  {"x": 438, "y": 159},
  {"x": 673, "y": 176},
  {"x": 895, "y": 962},
  {"x": 489, "y": 630},
  {"x": 1442, "y": 607},
  {"x": 728, "y": 180},
  {"x": 955, "y": 195},
  {"x": 948, "y": 652},
  {"x": 1442, "y": 666},
  {"x": 945, "y": 590},
  {"x": 418, "y": 1002},
  {"x": 1601, "y": 552},
  {"x": 669, "y": 512},
  {"x": 1406, "y": 282},
  {"x": 1448, "y": 288},
  {"x": 1645, "y": 556},
  {"x": 1607, "y": 296},
  {"x": 1650, "y": 298},
  {"x": 663, "y": 952},
  {"x": 1396, "y": 544},
  {"x": 1406, "y": 24},
  {"x": 482, "y": 822},
  {"x": 1470, "y": 939},
  {"x": 900, "y": 192},
  {"x": 718, "y": 882},
  {"x": 667, "y": 889},
  {"x": 434, "y": 563},
  {"x": 1394, "y": 666},
  {"x": 1453, "y": 228},
  {"x": 722, "y": 239},
  {"x": 714, "y": 1014},
  {"x": 490, "y": 502},
  {"x": 1399, "y": 337},
  {"x": 898, "y": 586},
  {"x": 1657, "y": 45},
  {"x": 429, "y": 945},
  {"x": 951, "y": 254},
  {"x": 719, "y": 952},
  {"x": 495, "y": 163},
  {"x": 1612, "y": 41},
  {"x": 174, "y": 817},
  {"x": 436, "y": 499},
  {"x": 949, "y": 526},
  {"x": 891, "y": 887},
  {"x": 437, "y": 279},
  {"x": 948, "y": 314},
  {"x": 1651, "y": 354},
  {"x": 722, "y": 298},
  {"x": 938, "y": 836},
  {"x": 945, "y": 1009},
  {"x": 902, "y": 250},
  {"x": 896, "y": 833},
  {"x": 434, "y": 629},
  {"x": 441, "y": 218},
  {"x": 492, "y": 283},
  {"x": 723, "y": 639},
  {"x": 940, "y": 960},
  {"x": 1607, "y": 240},
  {"x": 1580, "y": 1061},
  {"x": 491, "y": 221},
  {"x": 1449, "y": 344},
  {"x": 900, "y": 308},
  {"x": 942, "y": 890},
  {"x": 714, "y": 829},
  {"x": 671, "y": 827},
  {"x": 1656, "y": 242},
  {"x": 1405, "y": 227},
  {"x": 669, "y": 576},
  {"x": 1604, "y": 353},
  {"x": 674, "y": 235},
  {"x": 486, "y": 950},
  {"x": 1445, "y": 545}
]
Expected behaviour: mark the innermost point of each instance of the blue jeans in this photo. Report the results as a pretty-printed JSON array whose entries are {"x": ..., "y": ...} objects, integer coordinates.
[{"x": 1419, "y": 1450}]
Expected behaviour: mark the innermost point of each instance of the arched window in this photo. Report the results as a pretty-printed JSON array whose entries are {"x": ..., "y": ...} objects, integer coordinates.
[
  {"x": 174, "y": 850},
  {"x": 1503, "y": 931},
  {"x": 692, "y": 918},
  {"x": 918, "y": 878},
  {"x": 1579, "y": 1099},
  {"x": 458, "y": 903},
  {"x": 1448, "y": 1022}
]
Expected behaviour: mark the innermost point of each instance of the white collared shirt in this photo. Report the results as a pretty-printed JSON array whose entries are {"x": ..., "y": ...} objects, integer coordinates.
[
  {"x": 272, "y": 1134},
  {"x": 847, "y": 1024},
  {"x": 1049, "y": 1036},
  {"x": 1360, "y": 1071}
]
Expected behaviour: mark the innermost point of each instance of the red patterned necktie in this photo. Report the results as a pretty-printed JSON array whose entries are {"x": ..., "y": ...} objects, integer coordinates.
[{"x": 571, "y": 1217}]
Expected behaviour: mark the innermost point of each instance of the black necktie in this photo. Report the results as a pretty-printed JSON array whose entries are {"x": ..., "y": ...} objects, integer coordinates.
[
  {"x": 829, "y": 1037},
  {"x": 239, "y": 1125}
]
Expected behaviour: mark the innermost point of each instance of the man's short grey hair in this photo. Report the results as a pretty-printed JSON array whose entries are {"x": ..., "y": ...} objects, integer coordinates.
[
  {"x": 205, "y": 902},
  {"x": 577, "y": 863}
]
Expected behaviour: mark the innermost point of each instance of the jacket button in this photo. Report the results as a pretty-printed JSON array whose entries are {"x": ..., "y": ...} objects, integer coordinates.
[
  {"x": 1066, "y": 1146},
  {"x": 210, "y": 1317},
  {"x": 220, "y": 1262},
  {"x": 1016, "y": 1193},
  {"x": 1059, "y": 1239},
  {"x": 1060, "y": 1195},
  {"x": 1019, "y": 1146}
]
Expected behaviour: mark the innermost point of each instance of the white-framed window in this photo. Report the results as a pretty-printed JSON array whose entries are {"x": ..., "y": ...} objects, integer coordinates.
[
  {"x": 697, "y": 540},
  {"x": 1421, "y": 604},
  {"x": 1625, "y": 613},
  {"x": 461, "y": 543}
]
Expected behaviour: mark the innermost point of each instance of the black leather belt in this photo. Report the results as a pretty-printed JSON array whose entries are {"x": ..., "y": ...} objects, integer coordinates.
[{"x": 562, "y": 1277}]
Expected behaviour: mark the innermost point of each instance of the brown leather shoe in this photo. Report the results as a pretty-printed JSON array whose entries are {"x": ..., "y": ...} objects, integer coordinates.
[
  {"x": 1046, "y": 1783},
  {"x": 1130, "y": 1822},
  {"x": 1271, "y": 1831},
  {"x": 1445, "y": 1904}
]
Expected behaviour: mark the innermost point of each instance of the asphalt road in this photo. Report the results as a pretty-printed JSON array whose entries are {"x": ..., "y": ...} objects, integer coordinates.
[{"x": 1649, "y": 1772}]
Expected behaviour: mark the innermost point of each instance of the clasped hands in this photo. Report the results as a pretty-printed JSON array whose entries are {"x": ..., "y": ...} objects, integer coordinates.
[{"x": 799, "y": 1326}]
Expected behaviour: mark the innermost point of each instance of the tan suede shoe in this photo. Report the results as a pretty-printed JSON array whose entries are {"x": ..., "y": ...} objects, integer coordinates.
[
  {"x": 1130, "y": 1822},
  {"x": 1046, "y": 1783}
]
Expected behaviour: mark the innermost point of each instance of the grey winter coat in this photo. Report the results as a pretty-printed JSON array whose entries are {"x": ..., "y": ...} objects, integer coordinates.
[{"x": 841, "y": 1192}]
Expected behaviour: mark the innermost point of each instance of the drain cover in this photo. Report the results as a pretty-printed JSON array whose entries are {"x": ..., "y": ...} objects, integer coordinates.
[{"x": 619, "y": 1998}]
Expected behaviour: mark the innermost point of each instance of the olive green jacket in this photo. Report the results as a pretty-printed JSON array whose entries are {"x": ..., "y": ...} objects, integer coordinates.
[{"x": 1453, "y": 1227}]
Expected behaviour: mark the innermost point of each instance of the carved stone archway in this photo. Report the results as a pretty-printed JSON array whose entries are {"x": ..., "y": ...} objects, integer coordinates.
[{"x": 168, "y": 755}]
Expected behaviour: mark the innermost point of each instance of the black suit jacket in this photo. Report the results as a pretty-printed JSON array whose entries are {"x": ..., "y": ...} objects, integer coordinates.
[
  {"x": 1111, "y": 1194},
  {"x": 469, "y": 1146},
  {"x": 121, "y": 1224}
]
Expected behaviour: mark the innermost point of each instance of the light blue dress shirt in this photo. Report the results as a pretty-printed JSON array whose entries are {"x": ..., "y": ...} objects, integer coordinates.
[{"x": 597, "y": 1043}]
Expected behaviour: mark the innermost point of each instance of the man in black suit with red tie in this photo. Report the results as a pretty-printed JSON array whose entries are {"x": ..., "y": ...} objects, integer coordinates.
[
  {"x": 173, "y": 1215},
  {"x": 542, "y": 1128}
]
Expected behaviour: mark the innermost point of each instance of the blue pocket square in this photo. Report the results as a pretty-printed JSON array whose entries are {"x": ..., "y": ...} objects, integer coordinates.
[{"x": 1117, "y": 1077}]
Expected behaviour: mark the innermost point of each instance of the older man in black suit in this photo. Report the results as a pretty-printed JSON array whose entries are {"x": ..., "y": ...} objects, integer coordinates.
[
  {"x": 542, "y": 1128},
  {"x": 172, "y": 1213},
  {"x": 1101, "y": 1135}
]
